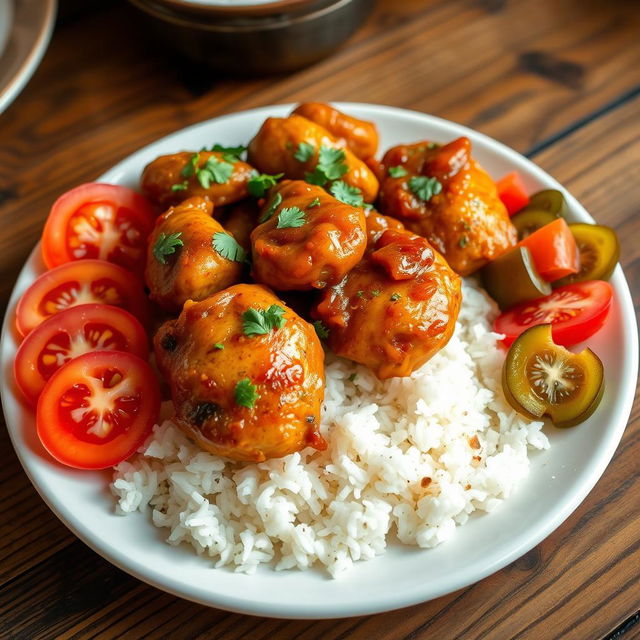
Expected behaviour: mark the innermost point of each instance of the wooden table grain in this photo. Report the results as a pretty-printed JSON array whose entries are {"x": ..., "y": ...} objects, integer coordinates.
[{"x": 558, "y": 81}]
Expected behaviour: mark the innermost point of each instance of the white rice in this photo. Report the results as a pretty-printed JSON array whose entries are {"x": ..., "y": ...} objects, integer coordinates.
[{"x": 408, "y": 459}]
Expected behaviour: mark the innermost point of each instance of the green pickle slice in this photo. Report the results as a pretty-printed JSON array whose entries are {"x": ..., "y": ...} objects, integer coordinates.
[
  {"x": 512, "y": 278},
  {"x": 530, "y": 220},
  {"x": 550, "y": 200}
]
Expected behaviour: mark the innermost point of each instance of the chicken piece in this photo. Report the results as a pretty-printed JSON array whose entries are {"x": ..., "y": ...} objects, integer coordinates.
[
  {"x": 246, "y": 396},
  {"x": 309, "y": 239},
  {"x": 169, "y": 180},
  {"x": 449, "y": 199},
  {"x": 280, "y": 140},
  {"x": 377, "y": 224},
  {"x": 241, "y": 220},
  {"x": 182, "y": 263},
  {"x": 396, "y": 309},
  {"x": 361, "y": 136}
]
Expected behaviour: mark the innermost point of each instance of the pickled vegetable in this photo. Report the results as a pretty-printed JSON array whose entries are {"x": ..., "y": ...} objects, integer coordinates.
[
  {"x": 599, "y": 252},
  {"x": 529, "y": 221},
  {"x": 550, "y": 200},
  {"x": 512, "y": 278},
  {"x": 541, "y": 378}
]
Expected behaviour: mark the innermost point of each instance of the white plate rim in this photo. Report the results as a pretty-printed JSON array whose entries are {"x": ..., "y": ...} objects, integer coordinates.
[{"x": 307, "y": 610}]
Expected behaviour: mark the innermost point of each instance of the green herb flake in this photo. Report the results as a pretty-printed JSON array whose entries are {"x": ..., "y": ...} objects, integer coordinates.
[
  {"x": 398, "y": 172},
  {"x": 271, "y": 209},
  {"x": 352, "y": 377},
  {"x": 189, "y": 169},
  {"x": 465, "y": 225},
  {"x": 463, "y": 242},
  {"x": 424, "y": 187},
  {"x": 230, "y": 154},
  {"x": 360, "y": 294},
  {"x": 219, "y": 346},
  {"x": 246, "y": 393},
  {"x": 304, "y": 152},
  {"x": 227, "y": 246},
  {"x": 432, "y": 145},
  {"x": 314, "y": 203},
  {"x": 214, "y": 170},
  {"x": 375, "y": 293},
  {"x": 290, "y": 217},
  {"x": 395, "y": 297},
  {"x": 321, "y": 330},
  {"x": 344, "y": 192},
  {"x": 166, "y": 245},
  {"x": 181, "y": 186},
  {"x": 260, "y": 183},
  {"x": 330, "y": 166},
  {"x": 258, "y": 322}
]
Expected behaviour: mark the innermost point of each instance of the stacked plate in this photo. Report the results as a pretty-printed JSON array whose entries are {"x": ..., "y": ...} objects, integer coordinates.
[{"x": 253, "y": 36}]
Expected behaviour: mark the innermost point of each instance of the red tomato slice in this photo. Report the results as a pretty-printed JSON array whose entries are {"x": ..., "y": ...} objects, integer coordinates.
[
  {"x": 512, "y": 193},
  {"x": 575, "y": 311},
  {"x": 98, "y": 221},
  {"x": 70, "y": 333},
  {"x": 554, "y": 250},
  {"x": 97, "y": 409},
  {"x": 79, "y": 282}
]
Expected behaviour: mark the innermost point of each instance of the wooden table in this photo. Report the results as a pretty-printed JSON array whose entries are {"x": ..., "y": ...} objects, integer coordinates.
[{"x": 558, "y": 81}]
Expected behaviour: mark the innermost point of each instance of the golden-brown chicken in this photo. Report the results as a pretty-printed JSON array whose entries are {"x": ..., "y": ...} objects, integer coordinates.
[
  {"x": 182, "y": 261},
  {"x": 309, "y": 238},
  {"x": 298, "y": 147},
  {"x": 246, "y": 374},
  {"x": 171, "y": 179},
  {"x": 396, "y": 309},
  {"x": 361, "y": 136},
  {"x": 377, "y": 224},
  {"x": 241, "y": 220},
  {"x": 443, "y": 194}
]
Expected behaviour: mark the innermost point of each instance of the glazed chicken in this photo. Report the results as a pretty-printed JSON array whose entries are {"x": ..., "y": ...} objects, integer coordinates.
[
  {"x": 169, "y": 180},
  {"x": 377, "y": 224},
  {"x": 298, "y": 147},
  {"x": 443, "y": 194},
  {"x": 396, "y": 309},
  {"x": 309, "y": 239},
  {"x": 182, "y": 263},
  {"x": 241, "y": 220},
  {"x": 246, "y": 374},
  {"x": 360, "y": 136}
]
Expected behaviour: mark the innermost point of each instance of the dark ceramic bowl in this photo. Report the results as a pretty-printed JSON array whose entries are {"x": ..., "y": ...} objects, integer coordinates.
[{"x": 256, "y": 44}]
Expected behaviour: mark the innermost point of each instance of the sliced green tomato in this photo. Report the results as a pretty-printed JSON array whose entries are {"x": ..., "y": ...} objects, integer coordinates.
[
  {"x": 550, "y": 200},
  {"x": 599, "y": 252},
  {"x": 530, "y": 220},
  {"x": 512, "y": 278},
  {"x": 541, "y": 378}
]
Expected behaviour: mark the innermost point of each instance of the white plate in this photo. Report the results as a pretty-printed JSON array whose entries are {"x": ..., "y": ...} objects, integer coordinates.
[
  {"x": 31, "y": 27},
  {"x": 560, "y": 478}
]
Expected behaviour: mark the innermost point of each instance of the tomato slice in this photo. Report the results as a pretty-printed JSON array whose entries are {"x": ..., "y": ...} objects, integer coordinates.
[
  {"x": 79, "y": 282},
  {"x": 554, "y": 250},
  {"x": 70, "y": 333},
  {"x": 98, "y": 221},
  {"x": 97, "y": 409},
  {"x": 512, "y": 193},
  {"x": 575, "y": 311}
]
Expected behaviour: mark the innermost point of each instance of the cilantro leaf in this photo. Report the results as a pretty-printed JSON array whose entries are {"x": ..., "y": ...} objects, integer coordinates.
[
  {"x": 258, "y": 322},
  {"x": 227, "y": 246},
  {"x": 245, "y": 393},
  {"x": 317, "y": 177},
  {"x": 314, "y": 203},
  {"x": 424, "y": 187},
  {"x": 180, "y": 186},
  {"x": 321, "y": 330},
  {"x": 260, "y": 183},
  {"x": 214, "y": 170},
  {"x": 398, "y": 171},
  {"x": 230, "y": 154},
  {"x": 304, "y": 152},
  {"x": 218, "y": 345},
  {"x": 271, "y": 209},
  {"x": 346, "y": 193},
  {"x": 166, "y": 245},
  {"x": 290, "y": 217},
  {"x": 395, "y": 297},
  {"x": 189, "y": 169},
  {"x": 331, "y": 161}
]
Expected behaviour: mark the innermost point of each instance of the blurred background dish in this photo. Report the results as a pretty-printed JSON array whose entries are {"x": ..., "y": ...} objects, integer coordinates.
[
  {"x": 27, "y": 32},
  {"x": 264, "y": 38}
]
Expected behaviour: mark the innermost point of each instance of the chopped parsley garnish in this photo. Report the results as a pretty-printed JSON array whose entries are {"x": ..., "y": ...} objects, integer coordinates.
[
  {"x": 360, "y": 293},
  {"x": 463, "y": 242},
  {"x": 230, "y": 154},
  {"x": 394, "y": 297},
  {"x": 314, "y": 203},
  {"x": 424, "y": 187},
  {"x": 290, "y": 217},
  {"x": 330, "y": 166},
  {"x": 166, "y": 245},
  {"x": 304, "y": 152},
  {"x": 321, "y": 330},
  {"x": 271, "y": 209},
  {"x": 398, "y": 171},
  {"x": 258, "y": 322},
  {"x": 375, "y": 293},
  {"x": 260, "y": 183},
  {"x": 180, "y": 186},
  {"x": 227, "y": 246},
  {"x": 218, "y": 345},
  {"x": 245, "y": 393},
  {"x": 344, "y": 192}
]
